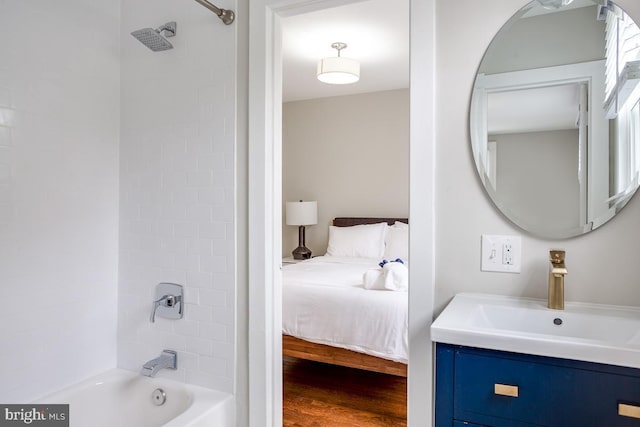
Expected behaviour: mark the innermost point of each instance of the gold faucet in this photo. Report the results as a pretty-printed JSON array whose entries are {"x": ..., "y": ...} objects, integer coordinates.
[{"x": 556, "y": 279}]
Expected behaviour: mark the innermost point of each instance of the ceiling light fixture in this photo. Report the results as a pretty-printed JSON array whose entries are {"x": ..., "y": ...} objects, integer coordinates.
[{"x": 338, "y": 70}]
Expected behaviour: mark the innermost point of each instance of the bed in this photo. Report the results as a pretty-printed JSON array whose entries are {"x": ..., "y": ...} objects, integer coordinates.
[{"x": 329, "y": 316}]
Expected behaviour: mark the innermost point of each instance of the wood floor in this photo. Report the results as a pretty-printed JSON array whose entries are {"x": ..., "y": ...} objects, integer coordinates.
[{"x": 317, "y": 395}]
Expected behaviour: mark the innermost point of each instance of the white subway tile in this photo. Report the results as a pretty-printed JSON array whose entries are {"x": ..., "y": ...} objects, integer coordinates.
[
  {"x": 176, "y": 245},
  {"x": 186, "y": 196},
  {"x": 174, "y": 276},
  {"x": 200, "y": 213},
  {"x": 187, "y": 361},
  {"x": 215, "y": 298},
  {"x": 213, "y": 365},
  {"x": 213, "y": 230},
  {"x": 212, "y": 195},
  {"x": 200, "y": 346},
  {"x": 59, "y": 156},
  {"x": 213, "y": 264},
  {"x": 223, "y": 247},
  {"x": 223, "y": 351},
  {"x": 174, "y": 212},
  {"x": 159, "y": 340},
  {"x": 223, "y": 212},
  {"x": 174, "y": 180},
  {"x": 210, "y": 381},
  {"x": 186, "y": 262},
  {"x": 198, "y": 246},
  {"x": 184, "y": 163},
  {"x": 223, "y": 281},
  {"x": 212, "y": 162},
  {"x": 201, "y": 147},
  {"x": 215, "y": 331},
  {"x": 169, "y": 159},
  {"x": 224, "y": 315},
  {"x": 198, "y": 312},
  {"x": 191, "y": 295},
  {"x": 186, "y": 327},
  {"x": 185, "y": 229}
]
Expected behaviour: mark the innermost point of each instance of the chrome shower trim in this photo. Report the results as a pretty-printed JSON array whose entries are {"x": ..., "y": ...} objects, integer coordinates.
[
  {"x": 169, "y": 29},
  {"x": 155, "y": 39},
  {"x": 227, "y": 16}
]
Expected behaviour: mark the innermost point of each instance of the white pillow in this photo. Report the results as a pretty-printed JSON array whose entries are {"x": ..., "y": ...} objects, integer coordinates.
[
  {"x": 365, "y": 241},
  {"x": 397, "y": 242}
]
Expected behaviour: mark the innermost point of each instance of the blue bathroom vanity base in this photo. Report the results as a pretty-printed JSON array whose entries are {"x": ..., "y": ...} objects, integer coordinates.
[{"x": 479, "y": 387}]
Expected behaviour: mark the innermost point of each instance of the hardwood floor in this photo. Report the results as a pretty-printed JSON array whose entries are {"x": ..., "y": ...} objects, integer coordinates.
[{"x": 317, "y": 395}]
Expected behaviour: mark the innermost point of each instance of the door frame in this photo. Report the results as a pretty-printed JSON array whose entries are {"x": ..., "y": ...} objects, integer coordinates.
[{"x": 265, "y": 207}]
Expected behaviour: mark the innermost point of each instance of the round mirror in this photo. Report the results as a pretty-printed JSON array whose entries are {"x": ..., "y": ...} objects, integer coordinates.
[{"x": 555, "y": 116}]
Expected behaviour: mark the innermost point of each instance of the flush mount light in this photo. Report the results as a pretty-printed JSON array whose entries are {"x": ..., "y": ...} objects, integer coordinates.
[
  {"x": 338, "y": 70},
  {"x": 554, "y": 4}
]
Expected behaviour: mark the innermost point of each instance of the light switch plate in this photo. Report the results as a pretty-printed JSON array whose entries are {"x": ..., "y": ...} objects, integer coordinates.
[{"x": 501, "y": 253}]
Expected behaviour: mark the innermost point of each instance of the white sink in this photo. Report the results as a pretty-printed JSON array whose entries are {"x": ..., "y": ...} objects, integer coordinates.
[{"x": 589, "y": 332}]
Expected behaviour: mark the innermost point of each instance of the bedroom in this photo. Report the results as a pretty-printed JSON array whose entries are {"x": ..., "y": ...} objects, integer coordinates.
[{"x": 345, "y": 146}]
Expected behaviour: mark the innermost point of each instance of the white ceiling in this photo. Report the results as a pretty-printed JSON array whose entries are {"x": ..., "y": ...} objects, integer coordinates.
[{"x": 377, "y": 35}]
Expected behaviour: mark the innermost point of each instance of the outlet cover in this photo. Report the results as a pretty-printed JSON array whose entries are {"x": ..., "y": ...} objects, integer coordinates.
[{"x": 501, "y": 253}]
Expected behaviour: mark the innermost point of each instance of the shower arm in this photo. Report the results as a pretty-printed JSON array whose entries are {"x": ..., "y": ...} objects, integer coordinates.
[{"x": 226, "y": 15}]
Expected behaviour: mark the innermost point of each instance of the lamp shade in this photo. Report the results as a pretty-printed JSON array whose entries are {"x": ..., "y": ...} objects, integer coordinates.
[
  {"x": 302, "y": 213},
  {"x": 338, "y": 70}
]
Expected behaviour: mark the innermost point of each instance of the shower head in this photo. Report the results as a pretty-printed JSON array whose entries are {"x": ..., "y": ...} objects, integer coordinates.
[{"x": 153, "y": 38}]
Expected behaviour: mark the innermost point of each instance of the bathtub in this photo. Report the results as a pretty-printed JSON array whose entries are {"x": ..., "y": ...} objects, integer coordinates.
[{"x": 126, "y": 399}]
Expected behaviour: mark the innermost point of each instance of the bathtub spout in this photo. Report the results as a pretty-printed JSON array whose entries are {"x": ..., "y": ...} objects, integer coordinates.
[{"x": 167, "y": 360}]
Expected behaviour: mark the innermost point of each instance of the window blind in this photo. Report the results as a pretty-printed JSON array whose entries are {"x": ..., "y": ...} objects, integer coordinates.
[{"x": 622, "y": 59}]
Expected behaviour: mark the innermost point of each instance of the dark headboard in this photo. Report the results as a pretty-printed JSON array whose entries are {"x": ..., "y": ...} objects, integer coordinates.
[{"x": 349, "y": 221}]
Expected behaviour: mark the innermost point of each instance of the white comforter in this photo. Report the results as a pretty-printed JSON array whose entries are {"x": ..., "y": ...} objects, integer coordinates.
[{"x": 324, "y": 301}]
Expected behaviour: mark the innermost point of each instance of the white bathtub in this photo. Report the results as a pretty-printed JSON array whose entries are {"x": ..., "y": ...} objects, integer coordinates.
[{"x": 123, "y": 398}]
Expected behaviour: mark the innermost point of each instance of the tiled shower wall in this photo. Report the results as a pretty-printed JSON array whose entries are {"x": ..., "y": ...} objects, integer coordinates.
[
  {"x": 177, "y": 190},
  {"x": 59, "y": 112}
]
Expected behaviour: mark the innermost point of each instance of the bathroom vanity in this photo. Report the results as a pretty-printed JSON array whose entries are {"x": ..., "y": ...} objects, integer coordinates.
[
  {"x": 505, "y": 361},
  {"x": 496, "y": 388}
]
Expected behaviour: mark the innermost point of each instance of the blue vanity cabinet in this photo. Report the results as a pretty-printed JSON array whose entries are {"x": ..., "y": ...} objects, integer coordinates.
[{"x": 501, "y": 389}]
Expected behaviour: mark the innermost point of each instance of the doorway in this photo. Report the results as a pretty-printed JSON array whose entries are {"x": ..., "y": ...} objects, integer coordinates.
[
  {"x": 345, "y": 146},
  {"x": 265, "y": 213}
]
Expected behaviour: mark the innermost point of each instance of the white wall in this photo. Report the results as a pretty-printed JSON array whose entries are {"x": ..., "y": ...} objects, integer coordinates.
[
  {"x": 59, "y": 112},
  {"x": 602, "y": 265},
  {"x": 351, "y": 154},
  {"x": 537, "y": 177},
  {"x": 177, "y": 191}
]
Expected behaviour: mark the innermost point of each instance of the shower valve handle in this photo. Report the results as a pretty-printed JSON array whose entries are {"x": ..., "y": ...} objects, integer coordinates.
[{"x": 165, "y": 301}]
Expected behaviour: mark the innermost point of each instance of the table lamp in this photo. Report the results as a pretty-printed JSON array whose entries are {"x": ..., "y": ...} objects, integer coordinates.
[{"x": 301, "y": 214}]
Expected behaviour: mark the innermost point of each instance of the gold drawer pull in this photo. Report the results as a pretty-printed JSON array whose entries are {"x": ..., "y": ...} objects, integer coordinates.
[
  {"x": 506, "y": 390},
  {"x": 630, "y": 411}
]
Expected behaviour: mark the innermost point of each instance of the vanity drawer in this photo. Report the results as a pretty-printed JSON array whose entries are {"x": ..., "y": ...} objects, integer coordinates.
[
  {"x": 602, "y": 399},
  {"x": 502, "y": 391}
]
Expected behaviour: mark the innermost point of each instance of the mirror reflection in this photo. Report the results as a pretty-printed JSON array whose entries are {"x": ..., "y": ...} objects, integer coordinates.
[{"x": 555, "y": 116}]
